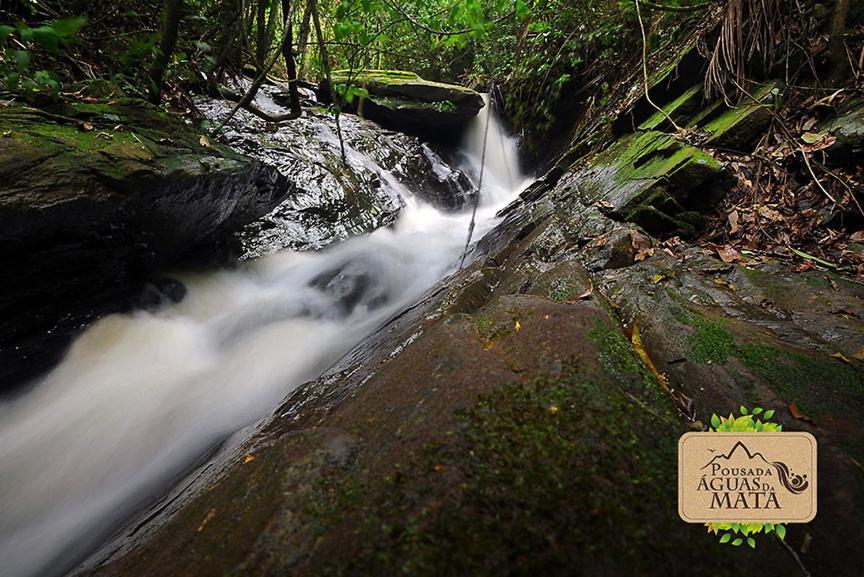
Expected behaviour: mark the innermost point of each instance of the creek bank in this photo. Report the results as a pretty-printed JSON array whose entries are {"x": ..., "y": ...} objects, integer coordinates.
[
  {"x": 405, "y": 102},
  {"x": 97, "y": 196}
]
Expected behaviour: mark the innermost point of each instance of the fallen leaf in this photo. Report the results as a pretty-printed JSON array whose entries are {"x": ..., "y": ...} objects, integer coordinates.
[
  {"x": 87, "y": 127},
  {"x": 797, "y": 414},
  {"x": 588, "y": 292},
  {"x": 210, "y": 514},
  {"x": 636, "y": 341},
  {"x": 723, "y": 282},
  {"x": 728, "y": 254},
  {"x": 105, "y": 136},
  {"x": 857, "y": 236},
  {"x": 643, "y": 254},
  {"x": 553, "y": 409},
  {"x": 248, "y": 458},
  {"x": 438, "y": 467},
  {"x": 518, "y": 326},
  {"x": 599, "y": 241},
  {"x": 813, "y": 137},
  {"x": 841, "y": 357},
  {"x": 204, "y": 141},
  {"x": 657, "y": 278},
  {"x": 770, "y": 214},
  {"x": 803, "y": 267},
  {"x": 733, "y": 222},
  {"x": 7, "y": 133},
  {"x": 640, "y": 241}
]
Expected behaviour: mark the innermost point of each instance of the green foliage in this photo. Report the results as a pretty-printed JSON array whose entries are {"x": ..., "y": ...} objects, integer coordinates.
[
  {"x": 349, "y": 92},
  {"x": 15, "y": 62}
]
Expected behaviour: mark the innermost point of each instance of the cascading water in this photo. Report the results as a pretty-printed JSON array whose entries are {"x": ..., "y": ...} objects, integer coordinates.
[{"x": 139, "y": 397}]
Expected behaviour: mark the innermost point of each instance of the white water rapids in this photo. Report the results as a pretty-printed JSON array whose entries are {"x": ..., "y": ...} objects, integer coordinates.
[{"x": 140, "y": 396}]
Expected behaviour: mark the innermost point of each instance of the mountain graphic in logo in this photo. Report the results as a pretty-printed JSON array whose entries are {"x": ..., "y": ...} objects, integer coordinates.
[{"x": 793, "y": 483}]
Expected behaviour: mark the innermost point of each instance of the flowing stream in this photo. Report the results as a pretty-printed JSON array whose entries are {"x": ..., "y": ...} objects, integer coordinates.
[{"x": 139, "y": 397}]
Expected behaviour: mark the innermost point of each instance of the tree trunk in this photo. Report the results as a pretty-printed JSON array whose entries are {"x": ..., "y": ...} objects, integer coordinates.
[
  {"x": 261, "y": 35},
  {"x": 288, "y": 54},
  {"x": 303, "y": 40},
  {"x": 229, "y": 43},
  {"x": 170, "y": 27},
  {"x": 836, "y": 46},
  {"x": 325, "y": 62}
]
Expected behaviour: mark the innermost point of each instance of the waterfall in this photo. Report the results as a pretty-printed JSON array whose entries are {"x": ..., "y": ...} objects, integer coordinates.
[{"x": 140, "y": 397}]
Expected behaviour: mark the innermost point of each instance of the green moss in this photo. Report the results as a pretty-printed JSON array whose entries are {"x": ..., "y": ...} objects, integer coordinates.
[
  {"x": 541, "y": 477},
  {"x": 620, "y": 360},
  {"x": 805, "y": 377},
  {"x": 561, "y": 290},
  {"x": 711, "y": 342},
  {"x": 673, "y": 109},
  {"x": 398, "y": 82},
  {"x": 818, "y": 383}
]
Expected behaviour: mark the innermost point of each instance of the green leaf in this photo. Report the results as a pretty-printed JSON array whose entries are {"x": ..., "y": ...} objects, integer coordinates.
[
  {"x": 726, "y": 537},
  {"x": 22, "y": 59},
  {"x": 46, "y": 38},
  {"x": 769, "y": 414},
  {"x": 5, "y": 31},
  {"x": 780, "y": 530},
  {"x": 66, "y": 28},
  {"x": 817, "y": 260},
  {"x": 743, "y": 409},
  {"x": 752, "y": 542},
  {"x": 757, "y": 410},
  {"x": 737, "y": 541},
  {"x": 715, "y": 421}
]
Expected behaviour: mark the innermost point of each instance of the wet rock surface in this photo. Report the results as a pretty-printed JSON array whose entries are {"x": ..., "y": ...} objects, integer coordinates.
[
  {"x": 96, "y": 196},
  {"x": 509, "y": 420},
  {"x": 332, "y": 199}
]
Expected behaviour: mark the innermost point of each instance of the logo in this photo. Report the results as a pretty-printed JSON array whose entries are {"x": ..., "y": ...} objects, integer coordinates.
[{"x": 747, "y": 477}]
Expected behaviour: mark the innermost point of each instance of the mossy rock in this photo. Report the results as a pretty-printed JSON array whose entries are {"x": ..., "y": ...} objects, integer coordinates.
[
  {"x": 95, "y": 196},
  {"x": 741, "y": 126},
  {"x": 403, "y": 101},
  {"x": 651, "y": 178},
  {"x": 848, "y": 128}
]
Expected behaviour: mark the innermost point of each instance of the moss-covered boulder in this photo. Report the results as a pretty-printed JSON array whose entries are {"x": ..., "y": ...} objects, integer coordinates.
[
  {"x": 736, "y": 126},
  {"x": 403, "y": 101},
  {"x": 94, "y": 197},
  {"x": 848, "y": 128},
  {"x": 651, "y": 178}
]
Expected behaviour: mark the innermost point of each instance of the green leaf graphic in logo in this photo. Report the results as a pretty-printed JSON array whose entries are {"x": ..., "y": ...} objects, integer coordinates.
[{"x": 736, "y": 534}]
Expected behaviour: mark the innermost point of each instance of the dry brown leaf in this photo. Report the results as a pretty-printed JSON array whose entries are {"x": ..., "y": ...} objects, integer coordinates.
[
  {"x": 733, "y": 222},
  {"x": 588, "y": 292},
  {"x": 210, "y": 514},
  {"x": 841, "y": 357},
  {"x": 798, "y": 414},
  {"x": 599, "y": 241},
  {"x": 857, "y": 236},
  {"x": 204, "y": 141},
  {"x": 770, "y": 214},
  {"x": 728, "y": 254},
  {"x": 87, "y": 127},
  {"x": 636, "y": 341}
]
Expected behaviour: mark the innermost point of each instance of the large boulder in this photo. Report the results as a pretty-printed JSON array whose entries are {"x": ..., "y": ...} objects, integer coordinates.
[
  {"x": 95, "y": 197},
  {"x": 403, "y": 101}
]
